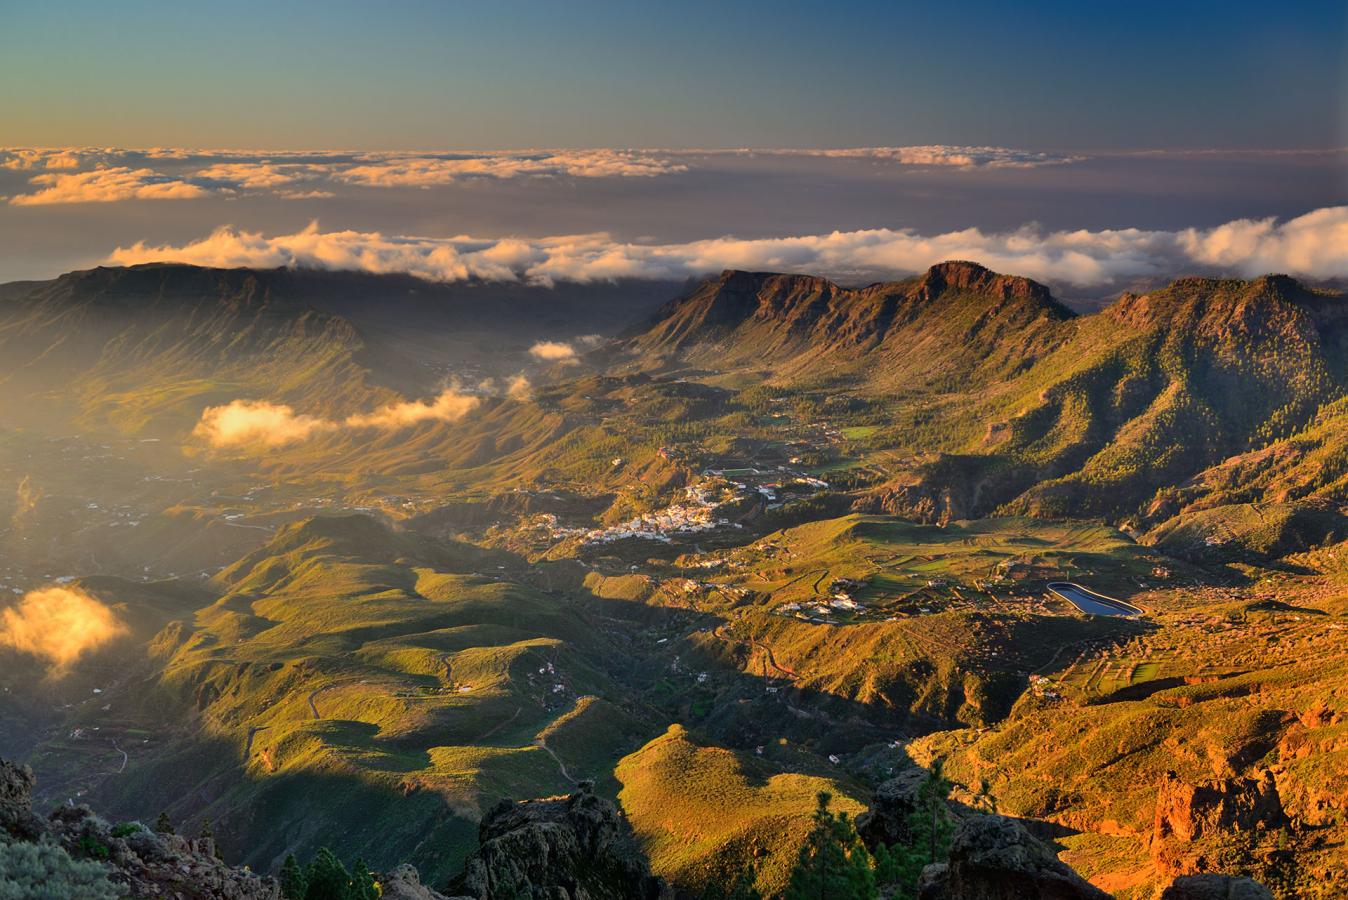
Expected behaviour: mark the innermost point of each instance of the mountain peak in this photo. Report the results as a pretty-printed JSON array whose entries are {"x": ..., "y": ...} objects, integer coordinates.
[{"x": 970, "y": 276}]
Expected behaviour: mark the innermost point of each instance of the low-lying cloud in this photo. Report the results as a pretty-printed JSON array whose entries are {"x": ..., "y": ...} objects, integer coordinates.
[
  {"x": 552, "y": 351},
  {"x": 257, "y": 422},
  {"x": 265, "y": 424},
  {"x": 59, "y": 625},
  {"x": 1314, "y": 245}
]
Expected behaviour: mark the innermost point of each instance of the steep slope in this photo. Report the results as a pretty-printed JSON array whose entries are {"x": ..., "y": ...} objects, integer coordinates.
[{"x": 1158, "y": 387}]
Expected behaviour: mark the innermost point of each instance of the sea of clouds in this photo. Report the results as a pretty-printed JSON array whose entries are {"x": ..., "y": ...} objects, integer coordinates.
[{"x": 1314, "y": 245}]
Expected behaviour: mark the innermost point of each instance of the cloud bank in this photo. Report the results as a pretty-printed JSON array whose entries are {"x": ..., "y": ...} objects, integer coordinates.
[
  {"x": 90, "y": 175},
  {"x": 260, "y": 423},
  {"x": 108, "y": 185},
  {"x": 429, "y": 171},
  {"x": 104, "y": 174},
  {"x": 1314, "y": 245},
  {"x": 59, "y": 625},
  {"x": 942, "y": 155}
]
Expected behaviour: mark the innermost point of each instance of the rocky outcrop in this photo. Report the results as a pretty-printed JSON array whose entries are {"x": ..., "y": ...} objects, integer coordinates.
[
  {"x": 139, "y": 862},
  {"x": 1215, "y": 887},
  {"x": 563, "y": 848},
  {"x": 17, "y": 818},
  {"x": 1186, "y": 812},
  {"x": 995, "y": 858},
  {"x": 892, "y": 805},
  {"x": 403, "y": 883}
]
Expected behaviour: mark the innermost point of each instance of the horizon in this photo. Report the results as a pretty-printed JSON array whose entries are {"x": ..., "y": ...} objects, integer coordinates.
[{"x": 1063, "y": 120}]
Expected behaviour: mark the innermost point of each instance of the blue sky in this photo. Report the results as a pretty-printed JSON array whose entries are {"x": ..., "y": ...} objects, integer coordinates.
[{"x": 505, "y": 74}]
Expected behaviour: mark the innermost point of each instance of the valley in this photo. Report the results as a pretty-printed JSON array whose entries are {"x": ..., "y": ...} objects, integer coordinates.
[{"x": 774, "y": 537}]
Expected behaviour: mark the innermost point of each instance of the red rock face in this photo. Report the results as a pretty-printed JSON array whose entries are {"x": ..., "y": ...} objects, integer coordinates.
[{"x": 1186, "y": 812}]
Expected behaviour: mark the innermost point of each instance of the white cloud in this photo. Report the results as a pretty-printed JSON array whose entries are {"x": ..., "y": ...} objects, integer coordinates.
[
  {"x": 60, "y": 625},
  {"x": 49, "y": 157},
  {"x": 261, "y": 175},
  {"x": 552, "y": 351},
  {"x": 261, "y": 423},
  {"x": 433, "y": 170},
  {"x": 449, "y": 405},
  {"x": 107, "y": 185},
  {"x": 518, "y": 387},
  {"x": 942, "y": 155},
  {"x": 1313, "y": 245},
  {"x": 256, "y": 422}
]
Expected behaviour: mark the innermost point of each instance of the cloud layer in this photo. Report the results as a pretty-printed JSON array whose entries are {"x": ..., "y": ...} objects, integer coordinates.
[
  {"x": 1313, "y": 245},
  {"x": 89, "y": 175},
  {"x": 58, "y": 625},
  {"x": 103, "y": 174},
  {"x": 107, "y": 185},
  {"x": 942, "y": 155},
  {"x": 260, "y": 423}
]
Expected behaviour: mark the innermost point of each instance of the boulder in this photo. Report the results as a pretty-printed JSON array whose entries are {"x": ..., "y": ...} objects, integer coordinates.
[{"x": 995, "y": 858}]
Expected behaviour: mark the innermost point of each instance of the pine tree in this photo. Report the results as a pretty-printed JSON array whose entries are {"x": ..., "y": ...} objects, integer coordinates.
[
  {"x": 363, "y": 886},
  {"x": 930, "y": 827},
  {"x": 833, "y": 864},
  {"x": 326, "y": 878},
  {"x": 293, "y": 882},
  {"x": 163, "y": 824}
]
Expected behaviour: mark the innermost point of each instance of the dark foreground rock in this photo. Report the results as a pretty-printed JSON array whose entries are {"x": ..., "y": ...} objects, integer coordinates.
[
  {"x": 995, "y": 858},
  {"x": 564, "y": 848},
  {"x": 69, "y": 849},
  {"x": 1215, "y": 887},
  {"x": 895, "y": 800}
]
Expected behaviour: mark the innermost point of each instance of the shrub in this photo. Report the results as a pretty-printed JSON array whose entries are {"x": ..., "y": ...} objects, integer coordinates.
[{"x": 45, "y": 871}]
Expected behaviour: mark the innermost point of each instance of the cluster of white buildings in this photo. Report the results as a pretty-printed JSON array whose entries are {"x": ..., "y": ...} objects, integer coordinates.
[{"x": 697, "y": 514}]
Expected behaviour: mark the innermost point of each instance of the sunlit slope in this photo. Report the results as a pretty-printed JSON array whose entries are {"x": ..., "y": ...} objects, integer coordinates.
[
  {"x": 1226, "y": 689},
  {"x": 703, "y": 813},
  {"x": 350, "y": 675}
]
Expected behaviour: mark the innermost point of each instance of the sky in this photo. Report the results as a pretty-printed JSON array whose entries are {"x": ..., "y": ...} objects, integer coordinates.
[{"x": 406, "y": 120}]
